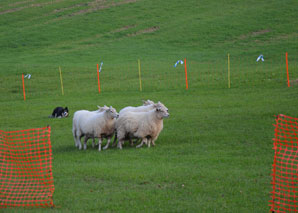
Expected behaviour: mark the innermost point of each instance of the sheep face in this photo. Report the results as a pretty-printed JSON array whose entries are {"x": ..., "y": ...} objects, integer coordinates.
[
  {"x": 162, "y": 112},
  {"x": 112, "y": 112}
]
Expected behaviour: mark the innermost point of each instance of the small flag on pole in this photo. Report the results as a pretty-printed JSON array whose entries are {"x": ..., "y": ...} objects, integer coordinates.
[
  {"x": 261, "y": 57},
  {"x": 179, "y": 61},
  {"x": 100, "y": 66},
  {"x": 27, "y": 76}
]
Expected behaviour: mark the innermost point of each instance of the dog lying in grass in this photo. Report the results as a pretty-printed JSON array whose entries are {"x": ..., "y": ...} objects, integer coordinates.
[{"x": 59, "y": 112}]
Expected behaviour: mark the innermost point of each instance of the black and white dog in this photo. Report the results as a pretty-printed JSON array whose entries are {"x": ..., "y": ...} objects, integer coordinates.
[{"x": 59, "y": 112}]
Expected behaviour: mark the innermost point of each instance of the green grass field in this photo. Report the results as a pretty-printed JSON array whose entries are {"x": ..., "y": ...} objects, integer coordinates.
[{"x": 215, "y": 151}]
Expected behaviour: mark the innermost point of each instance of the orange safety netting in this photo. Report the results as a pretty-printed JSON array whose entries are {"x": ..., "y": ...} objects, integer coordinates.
[
  {"x": 26, "y": 178},
  {"x": 285, "y": 166}
]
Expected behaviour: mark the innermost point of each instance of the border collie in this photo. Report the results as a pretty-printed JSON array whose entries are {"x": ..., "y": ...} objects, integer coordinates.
[{"x": 59, "y": 112}]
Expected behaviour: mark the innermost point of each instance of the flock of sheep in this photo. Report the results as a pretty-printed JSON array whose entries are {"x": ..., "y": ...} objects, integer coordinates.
[{"x": 142, "y": 123}]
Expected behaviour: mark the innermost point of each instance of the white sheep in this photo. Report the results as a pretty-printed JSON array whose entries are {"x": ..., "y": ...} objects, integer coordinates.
[
  {"x": 100, "y": 109},
  {"x": 143, "y": 125},
  {"x": 147, "y": 106},
  {"x": 95, "y": 124}
]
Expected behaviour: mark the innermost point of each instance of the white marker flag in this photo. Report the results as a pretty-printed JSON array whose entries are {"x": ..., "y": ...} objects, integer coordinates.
[
  {"x": 180, "y": 61},
  {"x": 27, "y": 76},
  {"x": 100, "y": 66},
  {"x": 261, "y": 57}
]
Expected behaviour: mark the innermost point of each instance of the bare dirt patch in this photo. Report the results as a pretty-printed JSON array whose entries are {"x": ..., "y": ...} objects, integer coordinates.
[
  {"x": 11, "y": 10},
  {"x": 28, "y": 6},
  {"x": 99, "y": 5},
  {"x": 254, "y": 34},
  {"x": 148, "y": 30},
  {"x": 69, "y": 8},
  {"x": 123, "y": 28},
  {"x": 94, "y": 6},
  {"x": 20, "y": 2}
]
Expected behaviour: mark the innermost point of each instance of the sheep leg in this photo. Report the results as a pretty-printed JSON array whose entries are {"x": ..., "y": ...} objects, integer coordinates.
[
  {"x": 150, "y": 140},
  {"x": 79, "y": 142},
  {"x": 146, "y": 142},
  {"x": 75, "y": 140},
  {"x": 93, "y": 142},
  {"x": 143, "y": 141},
  {"x": 77, "y": 137},
  {"x": 120, "y": 144},
  {"x": 108, "y": 143},
  {"x": 131, "y": 142},
  {"x": 99, "y": 144},
  {"x": 85, "y": 142},
  {"x": 115, "y": 141}
]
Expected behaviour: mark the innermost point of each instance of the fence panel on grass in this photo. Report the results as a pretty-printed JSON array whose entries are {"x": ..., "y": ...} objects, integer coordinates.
[
  {"x": 285, "y": 166},
  {"x": 26, "y": 178}
]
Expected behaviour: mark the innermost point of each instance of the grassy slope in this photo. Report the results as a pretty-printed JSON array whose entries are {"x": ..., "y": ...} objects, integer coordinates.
[{"x": 215, "y": 152}]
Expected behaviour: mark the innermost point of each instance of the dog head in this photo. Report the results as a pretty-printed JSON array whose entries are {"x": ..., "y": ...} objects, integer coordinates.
[{"x": 65, "y": 112}]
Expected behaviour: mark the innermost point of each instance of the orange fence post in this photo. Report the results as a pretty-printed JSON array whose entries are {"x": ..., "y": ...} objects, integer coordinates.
[
  {"x": 287, "y": 67},
  {"x": 186, "y": 82},
  {"x": 24, "y": 94},
  {"x": 98, "y": 82}
]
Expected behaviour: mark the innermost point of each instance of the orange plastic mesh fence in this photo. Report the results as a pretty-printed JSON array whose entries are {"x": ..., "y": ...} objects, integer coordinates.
[
  {"x": 285, "y": 166},
  {"x": 26, "y": 178}
]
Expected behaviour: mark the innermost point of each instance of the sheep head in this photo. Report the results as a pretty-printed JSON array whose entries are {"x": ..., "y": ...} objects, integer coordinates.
[
  {"x": 162, "y": 110},
  {"x": 112, "y": 112}
]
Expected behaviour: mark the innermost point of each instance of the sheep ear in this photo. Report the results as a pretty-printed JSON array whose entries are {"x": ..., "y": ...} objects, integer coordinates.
[{"x": 98, "y": 107}]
